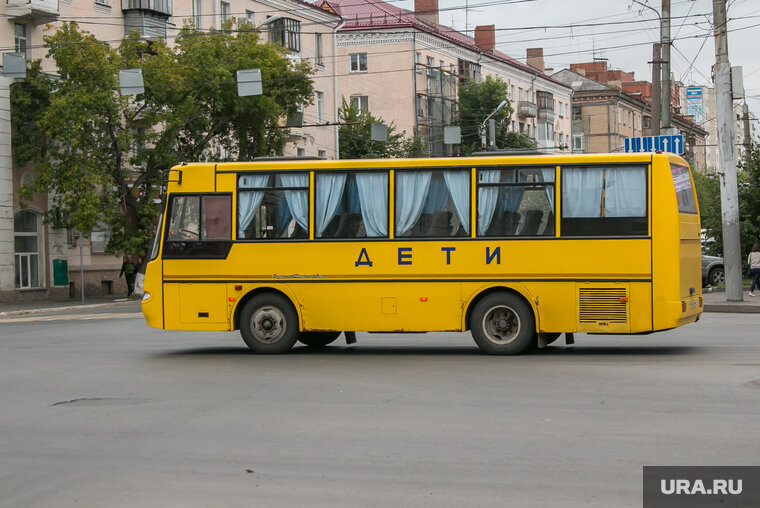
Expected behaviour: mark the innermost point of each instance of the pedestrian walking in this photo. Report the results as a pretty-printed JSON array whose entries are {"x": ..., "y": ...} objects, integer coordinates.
[
  {"x": 754, "y": 268},
  {"x": 129, "y": 271}
]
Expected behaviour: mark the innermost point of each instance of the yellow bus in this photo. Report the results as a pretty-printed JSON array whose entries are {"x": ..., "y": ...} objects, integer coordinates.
[{"x": 515, "y": 249}]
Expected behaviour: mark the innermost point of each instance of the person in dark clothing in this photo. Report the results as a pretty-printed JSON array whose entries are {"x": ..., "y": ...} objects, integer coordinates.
[{"x": 129, "y": 271}]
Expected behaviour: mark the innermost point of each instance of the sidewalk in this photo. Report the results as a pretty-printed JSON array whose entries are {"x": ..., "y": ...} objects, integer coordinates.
[
  {"x": 715, "y": 301},
  {"x": 41, "y": 306}
]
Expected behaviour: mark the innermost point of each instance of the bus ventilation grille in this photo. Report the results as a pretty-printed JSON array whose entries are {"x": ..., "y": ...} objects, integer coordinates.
[{"x": 603, "y": 304}]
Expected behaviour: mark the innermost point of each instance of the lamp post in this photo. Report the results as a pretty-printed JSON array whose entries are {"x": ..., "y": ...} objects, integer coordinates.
[{"x": 493, "y": 130}]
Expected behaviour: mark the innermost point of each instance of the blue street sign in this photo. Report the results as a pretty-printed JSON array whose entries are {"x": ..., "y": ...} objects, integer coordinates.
[{"x": 650, "y": 144}]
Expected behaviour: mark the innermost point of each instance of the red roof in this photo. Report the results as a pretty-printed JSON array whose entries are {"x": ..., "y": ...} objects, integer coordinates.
[{"x": 377, "y": 14}]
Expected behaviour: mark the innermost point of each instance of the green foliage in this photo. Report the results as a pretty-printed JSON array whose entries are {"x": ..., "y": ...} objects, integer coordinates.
[
  {"x": 708, "y": 193},
  {"x": 103, "y": 157},
  {"x": 476, "y": 102},
  {"x": 355, "y": 137}
]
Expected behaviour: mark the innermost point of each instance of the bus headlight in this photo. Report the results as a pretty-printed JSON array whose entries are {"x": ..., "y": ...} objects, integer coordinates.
[{"x": 146, "y": 297}]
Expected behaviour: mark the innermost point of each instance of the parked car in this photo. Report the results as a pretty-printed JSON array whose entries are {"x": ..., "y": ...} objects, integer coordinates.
[{"x": 713, "y": 273}]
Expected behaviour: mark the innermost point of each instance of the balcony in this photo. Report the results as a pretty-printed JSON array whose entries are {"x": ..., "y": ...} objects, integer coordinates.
[
  {"x": 545, "y": 102},
  {"x": 160, "y": 7},
  {"x": 546, "y": 115},
  {"x": 526, "y": 109},
  {"x": 37, "y": 11}
]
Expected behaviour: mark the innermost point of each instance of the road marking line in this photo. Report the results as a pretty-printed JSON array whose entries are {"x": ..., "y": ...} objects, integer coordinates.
[{"x": 72, "y": 317}]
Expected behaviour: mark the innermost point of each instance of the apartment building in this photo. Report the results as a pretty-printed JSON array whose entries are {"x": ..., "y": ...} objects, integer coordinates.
[
  {"x": 37, "y": 261},
  {"x": 604, "y": 115},
  {"x": 406, "y": 67}
]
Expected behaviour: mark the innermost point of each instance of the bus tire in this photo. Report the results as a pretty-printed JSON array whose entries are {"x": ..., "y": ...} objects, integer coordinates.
[
  {"x": 317, "y": 339},
  {"x": 502, "y": 324},
  {"x": 269, "y": 324}
]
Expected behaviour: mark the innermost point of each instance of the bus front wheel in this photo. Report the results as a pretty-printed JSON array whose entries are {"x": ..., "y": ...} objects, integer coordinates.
[
  {"x": 502, "y": 324},
  {"x": 269, "y": 324},
  {"x": 317, "y": 339}
]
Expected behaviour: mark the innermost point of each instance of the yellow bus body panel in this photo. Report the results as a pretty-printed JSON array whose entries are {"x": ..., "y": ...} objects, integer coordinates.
[{"x": 593, "y": 284}]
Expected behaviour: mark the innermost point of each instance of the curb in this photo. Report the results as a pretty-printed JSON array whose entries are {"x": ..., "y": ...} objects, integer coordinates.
[
  {"x": 68, "y": 308},
  {"x": 732, "y": 309}
]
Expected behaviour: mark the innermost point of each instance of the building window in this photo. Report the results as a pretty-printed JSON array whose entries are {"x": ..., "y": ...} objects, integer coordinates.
[
  {"x": 417, "y": 60},
  {"x": 318, "y": 49},
  {"x": 225, "y": 11},
  {"x": 301, "y": 152},
  {"x": 26, "y": 249},
  {"x": 20, "y": 38},
  {"x": 197, "y": 14},
  {"x": 287, "y": 32},
  {"x": 468, "y": 70},
  {"x": 360, "y": 102},
  {"x": 322, "y": 154},
  {"x": 520, "y": 94},
  {"x": 358, "y": 62},
  {"x": 577, "y": 142},
  {"x": 512, "y": 92},
  {"x": 320, "y": 106},
  {"x": 249, "y": 17}
]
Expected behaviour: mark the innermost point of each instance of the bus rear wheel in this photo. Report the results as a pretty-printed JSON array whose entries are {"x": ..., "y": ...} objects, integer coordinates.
[
  {"x": 317, "y": 339},
  {"x": 502, "y": 324},
  {"x": 269, "y": 324}
]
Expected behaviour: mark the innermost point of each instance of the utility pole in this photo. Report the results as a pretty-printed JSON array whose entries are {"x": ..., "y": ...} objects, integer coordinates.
[
  {"x": 665, "y": 41},
  {"x": 656, "y": 90},
  {"x": 747, "y": 137},
  {"x": 729, "y": 196}
]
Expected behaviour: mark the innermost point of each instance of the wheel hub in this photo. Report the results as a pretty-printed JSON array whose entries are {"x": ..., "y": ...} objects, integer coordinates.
[
  {"x": 501, "y": 324},
  {"x": 268, "y": 324}
]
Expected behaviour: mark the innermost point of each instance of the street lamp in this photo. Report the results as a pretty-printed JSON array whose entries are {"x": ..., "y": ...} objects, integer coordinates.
[{"x": 483, "y": 125}]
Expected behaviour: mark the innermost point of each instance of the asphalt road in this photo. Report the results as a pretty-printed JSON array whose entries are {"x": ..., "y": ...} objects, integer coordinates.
[{"x": 101, "y": 410}]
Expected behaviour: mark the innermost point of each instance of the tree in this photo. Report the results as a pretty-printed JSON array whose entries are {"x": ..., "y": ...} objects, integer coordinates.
[
  {"x": 476, "y": 102},
  {"x": 103, "y": 157},
  {"x": 355, "y": 140},
  {"x": 711, "y": 217}
]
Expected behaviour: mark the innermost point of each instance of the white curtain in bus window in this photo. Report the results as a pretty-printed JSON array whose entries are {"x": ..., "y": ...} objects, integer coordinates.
[
  {"x": 623, "y": 188},
  {"x": 625, "y": 192},
  {"x": 515, "y": 202},
  {"x": 298, "y": 200},
  {"x": 432, "y": 203},
  {"x": 411, "y": 191},
  {"x": 373, "y": 198},
  {"x": 487, "y": 197},
  {"x": 249, "y": 200},
  {"x": 684, "y": 191},
  {"x": 352, "y": 205},
  {"x": 329, "y": 195},
  {"x": 582, "y": 192}
]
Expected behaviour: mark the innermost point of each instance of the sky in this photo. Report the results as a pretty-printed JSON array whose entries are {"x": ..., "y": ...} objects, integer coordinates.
[{"x": 622, "y": 31}]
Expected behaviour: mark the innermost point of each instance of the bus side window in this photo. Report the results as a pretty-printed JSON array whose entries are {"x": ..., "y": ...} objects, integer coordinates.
[
  {"x": 273, "y": 206},
  {"x": 432, "y": 204},
  {"x": 351, "y": 205},
  {"x": 515, "y": 202},
  {"x": 604, "y": 201},
  {"x": 199, "y": 226}
]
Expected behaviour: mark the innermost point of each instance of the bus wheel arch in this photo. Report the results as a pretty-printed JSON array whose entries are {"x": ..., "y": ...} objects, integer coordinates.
[
  {"x": 251, "y": 294},
  {"x": 269, "y": 323},
  {"x": 502, "y": 321}
]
